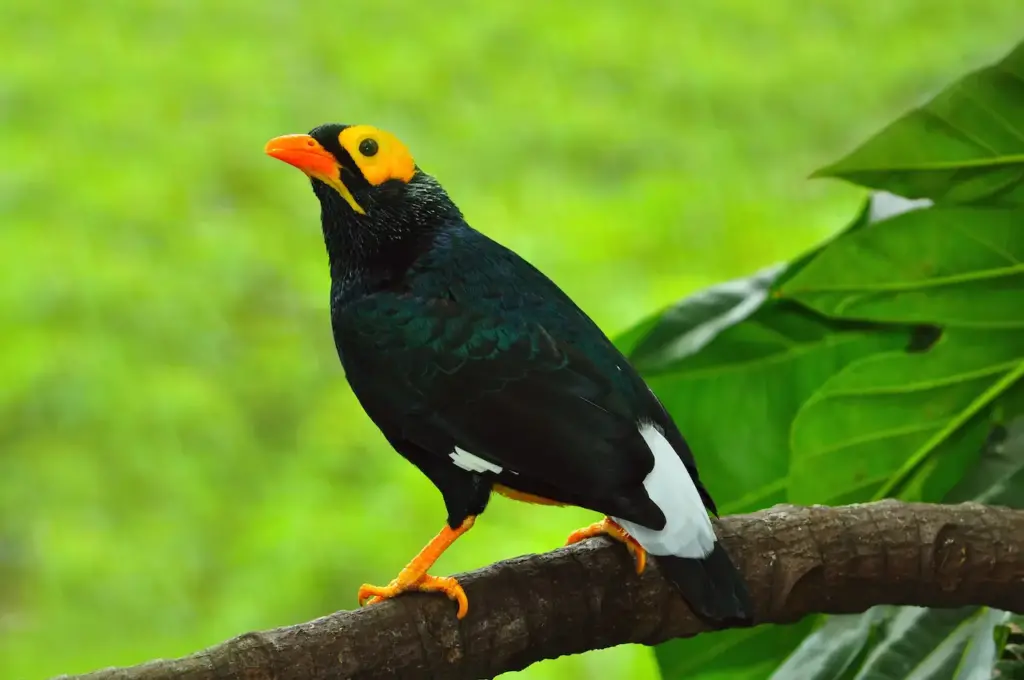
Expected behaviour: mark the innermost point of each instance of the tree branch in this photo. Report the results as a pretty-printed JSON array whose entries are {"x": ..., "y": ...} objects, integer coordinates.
[{"x": 797, "y": 561}]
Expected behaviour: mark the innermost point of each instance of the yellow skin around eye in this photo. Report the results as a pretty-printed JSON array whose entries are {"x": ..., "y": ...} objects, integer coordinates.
[{"x": 392, "y": 160}]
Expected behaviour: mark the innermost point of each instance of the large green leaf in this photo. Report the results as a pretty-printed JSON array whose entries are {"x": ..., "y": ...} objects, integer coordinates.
[
  {"x": 980, "y": 655},
  {"x": 875, "y": 422},
  {"x": 879, "y": 206},
  {"x": 925, "y": 266},
  {"x": 658, "y": 342},
  {"x": 662, "y": 340},
  {"x": 934, "y": 644},
  {"x": 770, "y": 362},
  {"x": 687, "y": 327},
  {"x": 734, "y": 349},
  {"x": 757, "y": 375},
  {"x": 833, "y": 647},
  {"x": 737, "y": 654},
  {"x": 998, "y": 479},
  {"x": 966, "y": 144}
]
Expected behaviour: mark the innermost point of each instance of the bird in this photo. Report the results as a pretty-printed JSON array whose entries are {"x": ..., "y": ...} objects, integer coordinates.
[{"x": 480, "y": 371}]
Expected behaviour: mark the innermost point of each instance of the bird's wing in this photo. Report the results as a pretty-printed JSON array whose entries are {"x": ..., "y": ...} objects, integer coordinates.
[{"x": 511, "y": 397}]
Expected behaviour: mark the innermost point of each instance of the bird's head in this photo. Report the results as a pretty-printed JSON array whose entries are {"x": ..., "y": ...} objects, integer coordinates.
[{"x": 372, "y": 195}]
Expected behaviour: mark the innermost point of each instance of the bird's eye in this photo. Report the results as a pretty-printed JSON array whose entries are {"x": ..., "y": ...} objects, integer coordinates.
[{"x": 368, "y": 147}]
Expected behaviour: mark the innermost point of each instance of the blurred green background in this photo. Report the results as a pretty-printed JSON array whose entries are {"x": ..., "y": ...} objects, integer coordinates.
[{"x": 180, "y": 457}]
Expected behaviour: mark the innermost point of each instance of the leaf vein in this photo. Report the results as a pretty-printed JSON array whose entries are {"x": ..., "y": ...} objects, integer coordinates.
[
  {"x": 750, "y": 497},
  {"x": 954, "y": 424},
  {"x": 991, "y": 246},
  {"x": 902, "y": 286},
  {"x": 779, "y": 357},
  {"x": 925, "y": 385},
  {"x": 993, "y": 113},
  {"x": 959, "y": 131},
  {"x": 877, "y": 435}
]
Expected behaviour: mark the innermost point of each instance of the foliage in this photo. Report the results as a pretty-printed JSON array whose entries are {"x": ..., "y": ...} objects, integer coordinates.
[
  {"x": 180, "y": 458},
  {"x": 912, "y": 642},
  {"x": 877, "y": 365}
]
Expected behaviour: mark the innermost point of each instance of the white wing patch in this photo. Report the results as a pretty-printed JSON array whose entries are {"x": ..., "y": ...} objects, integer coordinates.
[
  {"x": 688, "y": 530},
  {"x": 467, "y": 461}
]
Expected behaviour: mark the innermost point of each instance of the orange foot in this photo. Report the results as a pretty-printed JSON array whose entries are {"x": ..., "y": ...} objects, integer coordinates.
[
  {"x": 610, "y": 527},
  {"x": 414, "y": 578},
  {"x": 425, "y": 584}
]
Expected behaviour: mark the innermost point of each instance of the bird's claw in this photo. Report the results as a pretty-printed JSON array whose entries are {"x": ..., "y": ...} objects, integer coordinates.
[
  {"x": 426, "y": 583},
  {"x": 609, "y": 527}
]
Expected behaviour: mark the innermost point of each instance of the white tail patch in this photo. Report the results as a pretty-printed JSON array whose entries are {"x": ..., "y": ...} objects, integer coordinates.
[
  {"x": 688, "y": 531},
  {"x": 467, "y": 461}
]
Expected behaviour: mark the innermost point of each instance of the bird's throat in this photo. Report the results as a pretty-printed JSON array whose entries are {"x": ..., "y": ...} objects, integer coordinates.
[{"x": 367, "y": 251}]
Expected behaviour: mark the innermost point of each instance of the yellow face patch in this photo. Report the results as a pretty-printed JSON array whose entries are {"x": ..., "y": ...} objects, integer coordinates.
[{"x": 379, "y": 155}]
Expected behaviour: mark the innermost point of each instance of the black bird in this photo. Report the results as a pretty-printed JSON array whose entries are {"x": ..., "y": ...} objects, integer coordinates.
[{"x": 481, "y": 372}]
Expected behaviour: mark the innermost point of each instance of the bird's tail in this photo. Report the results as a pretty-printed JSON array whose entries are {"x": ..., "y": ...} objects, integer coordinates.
[
  {"x": 688, "y": 552},
  {"x": 712, "y": 587}
]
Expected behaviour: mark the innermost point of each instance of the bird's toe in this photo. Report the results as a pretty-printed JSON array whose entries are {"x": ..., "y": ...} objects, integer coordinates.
[
  {"x": 369, "y": 594},
  {"x": 609, "y": 527}
]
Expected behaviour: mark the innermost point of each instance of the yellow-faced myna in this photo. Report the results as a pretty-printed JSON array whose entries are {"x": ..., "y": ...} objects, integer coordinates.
[{"x": 480, "y": 371}]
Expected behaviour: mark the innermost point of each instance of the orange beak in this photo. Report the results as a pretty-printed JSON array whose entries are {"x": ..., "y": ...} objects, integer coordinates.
[{"x": 306, "y": 154}]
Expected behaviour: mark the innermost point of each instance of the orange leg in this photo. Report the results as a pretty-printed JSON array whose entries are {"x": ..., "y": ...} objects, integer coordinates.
[
  {"x": 415, "y": 577},
  {"x": 610, "y": 527}
]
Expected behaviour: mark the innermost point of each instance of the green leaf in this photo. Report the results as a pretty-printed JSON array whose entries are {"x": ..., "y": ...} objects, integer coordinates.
[
  {"x": 733, "y": 348},
  {"x": 1009, "y": 639},
  {"x": 1011, "y": 669},
  {"x": 982, "y": 649},
  {"x": 833, "y": 647},
  {"x": 663, "y": 340},
  {"x": 998, "y": 479},
  {"x": 925, "y": 266},
  {"x": 880, "y": 205},
  {"x": 628, "y": 339},
  {"x": 965, "y": 145},
  {"x": 1010, "y": 405},
  {"x": 863, "y": 218},
  {"x": 934, "y": 644},
  {"x": 1001, "y": 635},
  {"x": 737, "y": 654},
  {"x": 886, "y": 414},
  {"x": 685, "y": 328},
  {"x": 759, "y": 373}
]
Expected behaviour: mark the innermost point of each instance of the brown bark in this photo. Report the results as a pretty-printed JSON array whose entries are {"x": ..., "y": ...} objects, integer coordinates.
[{"x": 797, "y": 561}]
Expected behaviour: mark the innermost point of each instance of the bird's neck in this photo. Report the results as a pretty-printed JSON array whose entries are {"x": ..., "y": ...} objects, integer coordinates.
[{"x": 370, "y": 252}]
